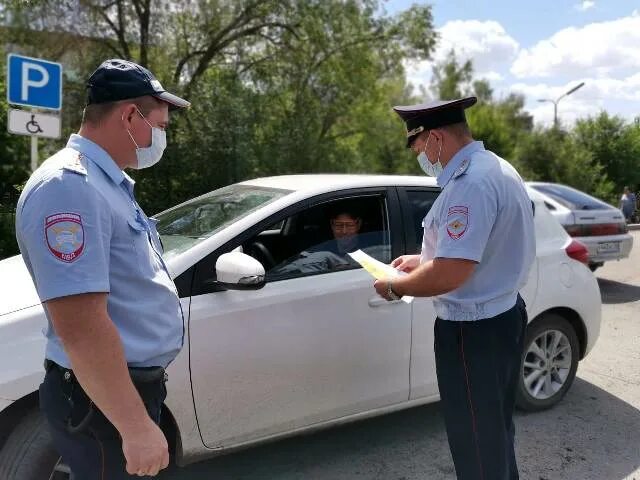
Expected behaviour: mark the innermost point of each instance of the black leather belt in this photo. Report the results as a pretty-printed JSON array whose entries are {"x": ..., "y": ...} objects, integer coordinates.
[{"x": 139, "y": 375}]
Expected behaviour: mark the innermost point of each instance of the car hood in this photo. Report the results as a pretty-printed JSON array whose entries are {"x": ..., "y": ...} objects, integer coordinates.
[{"x": 17, "y": 290}]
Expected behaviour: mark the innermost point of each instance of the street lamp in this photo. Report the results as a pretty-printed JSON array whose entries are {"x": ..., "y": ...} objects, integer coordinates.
[{"x": 555, "y": 102}]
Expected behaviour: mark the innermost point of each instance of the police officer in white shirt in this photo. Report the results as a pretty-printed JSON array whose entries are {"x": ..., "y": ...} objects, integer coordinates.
[{"x": 478, "y": 247}]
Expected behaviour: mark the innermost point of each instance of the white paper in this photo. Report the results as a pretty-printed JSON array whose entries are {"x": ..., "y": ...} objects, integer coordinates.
[{"x": 377, "y": 269}]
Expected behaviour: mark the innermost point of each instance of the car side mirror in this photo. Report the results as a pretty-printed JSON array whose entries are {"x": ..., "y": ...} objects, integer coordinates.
[{"x": 238, "y": 271}]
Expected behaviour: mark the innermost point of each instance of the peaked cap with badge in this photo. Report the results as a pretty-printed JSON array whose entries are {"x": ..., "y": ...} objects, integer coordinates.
[
  {"x": 430, "y": 115},
  {"x": 118, "y": 79}
]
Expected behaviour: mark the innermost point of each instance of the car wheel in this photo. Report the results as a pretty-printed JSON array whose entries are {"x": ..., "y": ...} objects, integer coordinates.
[
  {"x": 549, "y": 363},
  {"x": 594, "y": 266},
  {"x": 28, "y": 453}
]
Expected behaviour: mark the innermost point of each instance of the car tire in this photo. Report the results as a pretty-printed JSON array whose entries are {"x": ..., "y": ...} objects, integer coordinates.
[
  {"x": 594, "y": 266},
  {"x": 28, "y": 453},
  {"x": 544, "y": 379}
]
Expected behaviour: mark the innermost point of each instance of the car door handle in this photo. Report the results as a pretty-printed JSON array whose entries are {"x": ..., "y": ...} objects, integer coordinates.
[{"x": 378, "y": 301}]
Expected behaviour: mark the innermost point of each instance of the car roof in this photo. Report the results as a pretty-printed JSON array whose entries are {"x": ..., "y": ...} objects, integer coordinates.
[
  {"x": 306, "y": 183},
  {"x": 566, "y": 196},
  {"x": 314, "y": 182}
]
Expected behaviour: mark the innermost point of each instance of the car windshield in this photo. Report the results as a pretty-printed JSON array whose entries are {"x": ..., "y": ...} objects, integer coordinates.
[
  {"x": 572, "y": 198},
  {"x": 196, "y": 220}
]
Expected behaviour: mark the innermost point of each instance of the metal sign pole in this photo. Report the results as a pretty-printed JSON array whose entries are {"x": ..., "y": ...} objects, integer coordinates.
[
  {"x": 34, "y": 153},
  {"x": 34, "y": 149}
]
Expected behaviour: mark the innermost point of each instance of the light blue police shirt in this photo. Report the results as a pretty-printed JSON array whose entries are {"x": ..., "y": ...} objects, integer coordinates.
[
  {"x": 80, "y": 230},
  {"x": 483, "y": 214}
]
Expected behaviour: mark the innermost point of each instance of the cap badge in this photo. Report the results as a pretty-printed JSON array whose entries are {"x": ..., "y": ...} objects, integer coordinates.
[
  {"x": 415, "y": 131},
  {"x": 157, "y": 86}
]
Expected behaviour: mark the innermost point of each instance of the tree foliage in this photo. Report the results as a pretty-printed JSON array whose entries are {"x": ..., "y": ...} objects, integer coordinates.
[
  {"x": 451, "y": 79},
  {"x": 614, "y": 144},
  {"x": 277, "y": 86}
]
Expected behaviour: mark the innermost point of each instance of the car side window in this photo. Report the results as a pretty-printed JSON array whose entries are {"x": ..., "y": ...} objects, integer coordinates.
[
  {"x": 317, "y": 240},
  {"x": 420, "y": 202}
]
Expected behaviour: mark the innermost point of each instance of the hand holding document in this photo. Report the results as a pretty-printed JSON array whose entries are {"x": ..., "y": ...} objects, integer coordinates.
[{"x": 377, "y": 269}]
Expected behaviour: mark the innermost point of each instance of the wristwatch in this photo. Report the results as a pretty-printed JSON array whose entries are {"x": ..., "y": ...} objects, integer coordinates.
[{"x": 390, "y": 293}]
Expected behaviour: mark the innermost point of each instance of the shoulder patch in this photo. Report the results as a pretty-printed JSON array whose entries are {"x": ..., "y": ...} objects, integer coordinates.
[
  {"x": 76, "y": 164},
  {"x": 462, "y": 169},
  {"x": 64, "y": 234},
  {"x": 457, "y": 221}
]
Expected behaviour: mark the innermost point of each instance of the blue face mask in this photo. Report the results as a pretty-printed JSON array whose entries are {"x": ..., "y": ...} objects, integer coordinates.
[{"x": 433, "y": 169}]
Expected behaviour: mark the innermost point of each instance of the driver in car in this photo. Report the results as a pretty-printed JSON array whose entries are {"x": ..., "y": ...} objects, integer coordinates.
[{"x": 332, "y": 254}]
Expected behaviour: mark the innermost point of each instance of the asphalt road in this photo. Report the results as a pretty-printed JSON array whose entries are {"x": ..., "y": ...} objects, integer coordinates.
[{"x": 593, "y": 434}]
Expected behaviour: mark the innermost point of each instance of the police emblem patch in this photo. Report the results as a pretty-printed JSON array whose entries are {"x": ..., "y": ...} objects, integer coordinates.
[
  {"x": 65, "y": 236},
  {"x": 457, "y": 221}
]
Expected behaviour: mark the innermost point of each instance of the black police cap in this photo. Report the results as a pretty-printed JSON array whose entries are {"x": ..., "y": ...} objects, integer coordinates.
[
  {"x": 435, "y": 114},
  {"x": 118, "y": 79}
]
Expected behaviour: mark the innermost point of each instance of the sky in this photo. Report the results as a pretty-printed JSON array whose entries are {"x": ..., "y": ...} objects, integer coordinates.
[{"x": 542, "y": 49}]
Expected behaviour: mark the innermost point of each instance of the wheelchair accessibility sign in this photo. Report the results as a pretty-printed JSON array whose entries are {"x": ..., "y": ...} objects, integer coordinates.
[
  {"x": 33, "y": 82},
  {"x": 22, "y": 122}
]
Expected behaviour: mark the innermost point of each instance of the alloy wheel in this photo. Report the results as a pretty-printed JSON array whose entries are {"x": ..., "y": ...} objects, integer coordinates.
[{"x": 547, "y": 364}]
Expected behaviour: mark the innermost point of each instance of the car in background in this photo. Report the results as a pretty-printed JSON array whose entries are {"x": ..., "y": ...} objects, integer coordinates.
[
  {"x": 598, "y": 225},
  {"x": 282, "y": 338}
]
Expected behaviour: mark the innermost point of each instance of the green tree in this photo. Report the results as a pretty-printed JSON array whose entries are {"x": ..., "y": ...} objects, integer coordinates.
[
  {"x": 501, "y": 125},
  {"x": 614, "y": 144},
  {"x": 551, "y": 155},
  {"x": 319, "y": 103},
  {"x": 451, "y": 79},
  {"x": 482, "y": 89},
  {"x": 277, "y": 86}
]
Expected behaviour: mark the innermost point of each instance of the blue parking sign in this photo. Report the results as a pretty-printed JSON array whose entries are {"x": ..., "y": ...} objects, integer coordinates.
[{"x": 34, "y": 82}]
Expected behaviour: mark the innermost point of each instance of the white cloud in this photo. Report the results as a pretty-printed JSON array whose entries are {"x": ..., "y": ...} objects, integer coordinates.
[
  {"x": 585, "y": 5},
  {"x": 604, "y": 55},
  {"x": 598, "y": 49},
  {"x": 492, "y": 77},
  {"x": 485, "y": 43},
  {"x": 618, "y": 96}
]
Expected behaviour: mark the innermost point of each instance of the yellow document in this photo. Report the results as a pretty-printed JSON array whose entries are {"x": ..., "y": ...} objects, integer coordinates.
[{"x": 377, "y": 269}]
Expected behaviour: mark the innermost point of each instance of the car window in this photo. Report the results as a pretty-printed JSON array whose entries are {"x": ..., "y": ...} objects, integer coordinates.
[
  {"x": 420, "y": 202},
  {"x": 186, "y": 225},
  {"x": 572, "y": 198},
  {"x": 317, "y": 240}
]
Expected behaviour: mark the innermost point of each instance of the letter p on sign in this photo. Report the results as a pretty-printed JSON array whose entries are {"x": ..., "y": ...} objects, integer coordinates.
[
  {"x": 30, "y": 80},
  {"x": 33, "y": 82}
]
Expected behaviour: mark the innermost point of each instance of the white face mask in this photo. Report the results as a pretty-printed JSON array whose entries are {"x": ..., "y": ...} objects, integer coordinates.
[
  {"x": 430, "y": 168},
  {"x": 148, "y": 156}
]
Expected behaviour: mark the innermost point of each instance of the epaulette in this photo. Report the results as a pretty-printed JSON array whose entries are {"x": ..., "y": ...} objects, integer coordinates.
[
  {"x": 76, "y": 164},
  {"x": 462, "y": 169}
]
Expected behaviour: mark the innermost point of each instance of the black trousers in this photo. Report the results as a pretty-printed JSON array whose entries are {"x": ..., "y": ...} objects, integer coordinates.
[
  {"x": 95, "y": 451},
  {"x": 478, "y": 364}
]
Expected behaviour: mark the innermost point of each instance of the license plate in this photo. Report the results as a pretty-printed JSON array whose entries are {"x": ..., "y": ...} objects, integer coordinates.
[{"x": 608, "y": 247}]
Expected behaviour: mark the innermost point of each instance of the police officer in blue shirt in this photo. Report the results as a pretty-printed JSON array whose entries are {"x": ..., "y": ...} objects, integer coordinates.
[
  {"x": 114, "y": 316},
  {"x": 478, "y": 248}
]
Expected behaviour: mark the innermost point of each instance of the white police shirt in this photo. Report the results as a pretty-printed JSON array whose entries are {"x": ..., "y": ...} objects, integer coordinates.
[
  {"x": 483, "y": 214},
  {"x": 80, "y": 230}
]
